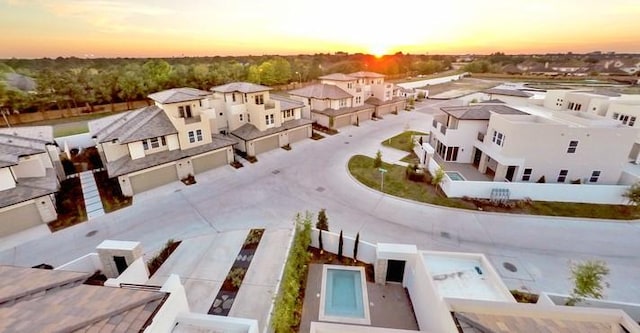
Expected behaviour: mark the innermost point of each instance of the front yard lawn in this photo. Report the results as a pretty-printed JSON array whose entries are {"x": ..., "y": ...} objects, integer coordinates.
[
  {"x": 402, "y": 141},
  {"x": 397, "y": 184}
]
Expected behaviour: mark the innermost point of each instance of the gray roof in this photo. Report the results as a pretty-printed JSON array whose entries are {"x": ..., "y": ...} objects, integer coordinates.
[
  {"x": 508, "y": 92},
  {"x": 287, "y": 103},
  {"x": 378, "y": 102},
  {"x": 363, "y": 74},
  {"x": 40, "y": 300},
  {"x": 321, "y": 91},
  {"x": 343, "y": 111},
  {"x": 30, "y": 188},
  {"x": 337, "y": 77},
  {"x": 132, "y": 126},
  {"x": 125, "y": 165},
  {"x": 177, "y": 95},
  {"x": 492, "y": 101},
  {"x": 479, "y": 112},
  {"x": 242, "y": 87},
  {"x": 16, "y": 142},
  {"x": 249, "y": 132}
]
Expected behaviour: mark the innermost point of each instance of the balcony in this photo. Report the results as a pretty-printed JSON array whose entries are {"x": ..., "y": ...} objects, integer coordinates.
[
  {"x": 269, "y": 105},
  {"x": 192, "y": 120},
  {"x": 443, "y": 129},
  {"x": 481, "y": 136}
]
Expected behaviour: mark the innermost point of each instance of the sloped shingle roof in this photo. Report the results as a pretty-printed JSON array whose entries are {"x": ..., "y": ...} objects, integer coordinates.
[
  {"x": 145, "y": 123},
  {"x": 16, "y": 142},
  {"x": 249, "y": 132},
  {"x": 337, "y": 77},
  {"x": 479, "y": 112},
  {"x": 287, "y": 103},
  {"x": 363, "y": 74},
  {"x": 321, "y": 91},
  {"x": 507, "y": 92},
  {"x": 177, "y": 95},
  {"x": 242, "y": 87}
]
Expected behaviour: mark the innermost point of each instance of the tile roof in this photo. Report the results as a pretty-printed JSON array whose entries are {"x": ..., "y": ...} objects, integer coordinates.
[
  {"x": 507, "y": 92},
  {"x": 38, "y": 300},
  {"x": 337, "y": 77},
  {"x": 243, "y": 87},
  {"x": 321, "y": 91},
  {"x": 16, "y": 142},
  {"x": 377, "y": 102},
  {"x": 30, "y": 188},
  {"x": 137, "y": 125},
  {"x": 343, "y": 111},
  {"x": 125, "y": 165},
  {"x": 287, "y": 103},
  {"x": 249, "y": 132},
  {"x": 177, "y": 95},
  {"x": 479, "y": 112},
  {"x": 477, "y": 322},
  {"x": 363, "y": 74}
]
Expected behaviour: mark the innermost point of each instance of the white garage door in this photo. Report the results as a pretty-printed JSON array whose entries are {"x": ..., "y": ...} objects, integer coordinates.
[
  {"x": 210, "y": 161},
  {"x": 18, "y": 219},
  {"x": 342, "y": 121},
  {"x": 266, "y": 144},
  {"x": 364, "y": 115},
  {"x": 153, "y": 179},
  {"x": 298, "y": 134}
]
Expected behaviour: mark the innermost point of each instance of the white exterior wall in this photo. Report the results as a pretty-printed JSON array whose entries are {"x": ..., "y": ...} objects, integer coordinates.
[
  {"x": 464, "y": 137},
  {"x": 88, "y": 263},
  {"x": 383, "y": 91},
  {"x": 30, "y": 166},
  {"x": 555, "y": 99},
  {"x": 47, "y": 208},
  {"x": 136, "y": 273},
  {"x": 427, "y": 82},
  {"x": 330, "y": 240},
  {"x": 136, "y": 150},
  {"x": 542, "y": 146},
  {"x": 6, "y": 179},
  {"x": 172, "y": 142},
  {"x": 114, "y": 151},
  {"x": 176, "y": 304}
]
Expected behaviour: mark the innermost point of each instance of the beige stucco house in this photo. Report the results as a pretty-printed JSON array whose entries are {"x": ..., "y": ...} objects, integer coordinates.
[
  {"x": 261, "y": 121},
  {"x": 28, "y": 178},
  {"x": 164, "y": 142},
  {"x": 347, "y": 99}
]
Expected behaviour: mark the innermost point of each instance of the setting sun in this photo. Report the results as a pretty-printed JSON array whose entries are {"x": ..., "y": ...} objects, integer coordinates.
[{"x": 378, "y": 50}]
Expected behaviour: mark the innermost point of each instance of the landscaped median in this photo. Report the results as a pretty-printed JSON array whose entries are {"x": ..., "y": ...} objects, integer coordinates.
[{"x": 396, "y": 183}]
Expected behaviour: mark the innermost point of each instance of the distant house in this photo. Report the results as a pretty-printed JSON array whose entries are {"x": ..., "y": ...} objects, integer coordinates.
[
  {"x": 618, "y": 67},
  {"x": 347, "y": 99},
  {"x": 29, "y": 169},
  {"x": 162, "y": 143}
]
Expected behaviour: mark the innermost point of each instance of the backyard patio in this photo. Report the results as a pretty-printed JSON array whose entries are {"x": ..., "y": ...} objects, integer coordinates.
[{"x": 468, "y": 171}]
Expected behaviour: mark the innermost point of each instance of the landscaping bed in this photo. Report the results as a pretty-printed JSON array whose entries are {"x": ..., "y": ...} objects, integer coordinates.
[
  {"x": 402, "y": 141},
  {"x": 316, "y": 136},
  {"x": 156, "y": 262},
  {"x": 323, "y": 129},
  {"x": 69, "y": 205},
  {"x": 252, "y": 159},
  {"x": 110, "y": 193},
  {"x": 396, "y": 183},
  {"x": 236, "y": 164}
]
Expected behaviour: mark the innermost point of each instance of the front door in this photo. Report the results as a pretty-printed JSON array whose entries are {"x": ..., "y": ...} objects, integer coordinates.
[
  {"x": 121, "y": 264},
  {"x": 511, "y": 170},
  {"x": 476, "y": 157},
  {"x": 395, "y": 270}
]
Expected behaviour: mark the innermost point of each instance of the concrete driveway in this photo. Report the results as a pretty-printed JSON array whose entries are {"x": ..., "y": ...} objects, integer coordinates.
[{"x": 313, "y": 175}]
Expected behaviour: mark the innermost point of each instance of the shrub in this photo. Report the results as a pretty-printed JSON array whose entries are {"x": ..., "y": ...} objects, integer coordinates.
[
  {"x": 355, "y": 247},
  {"x": 377, "y": 162},
  {"x": 587, "y": 280},
  {"x": 340, "y": 245},
  {"x": 438, "y": 177},
  {"x": 542, "y": 180},
  {"x": 236, "y": 276},
  {"x": 67, "y": 165},
  {"x": 323, "y": 221}
]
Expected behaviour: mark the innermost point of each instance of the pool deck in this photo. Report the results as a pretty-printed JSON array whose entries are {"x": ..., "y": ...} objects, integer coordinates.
[
  {"x": 389, "y": 305},
  {"x": 468, "y": 171}
]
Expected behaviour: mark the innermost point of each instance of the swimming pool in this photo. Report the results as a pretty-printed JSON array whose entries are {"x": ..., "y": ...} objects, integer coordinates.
[
  {"x": 344, "y": 297},
  {"x": 455, "y": 175}
]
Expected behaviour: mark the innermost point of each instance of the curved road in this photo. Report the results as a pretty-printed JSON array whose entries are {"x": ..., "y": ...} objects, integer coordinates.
[{"x": 313, "y": 175}]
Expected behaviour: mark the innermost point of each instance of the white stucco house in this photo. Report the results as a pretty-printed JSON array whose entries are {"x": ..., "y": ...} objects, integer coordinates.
[{"x": 29, "y": 164}]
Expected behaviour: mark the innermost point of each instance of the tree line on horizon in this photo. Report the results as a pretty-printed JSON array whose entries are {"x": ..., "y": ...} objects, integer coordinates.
[{"x": 63, "y": 83}]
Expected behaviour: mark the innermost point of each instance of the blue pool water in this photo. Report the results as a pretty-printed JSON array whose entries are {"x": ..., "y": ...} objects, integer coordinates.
[
  {"x": 455, "y": 175},
  {"x": 343, "y": 297}
]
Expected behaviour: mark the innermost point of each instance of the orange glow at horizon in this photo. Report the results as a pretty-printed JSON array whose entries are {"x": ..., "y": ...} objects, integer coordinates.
[{"x": 164, "y": 28}]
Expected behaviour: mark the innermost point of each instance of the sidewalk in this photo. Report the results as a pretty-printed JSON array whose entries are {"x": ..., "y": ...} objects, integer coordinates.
[{"x": 92, "y": 201}]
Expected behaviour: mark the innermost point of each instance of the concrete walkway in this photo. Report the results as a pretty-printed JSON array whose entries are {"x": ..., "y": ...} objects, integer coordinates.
[{"x": 92, "y": 201}]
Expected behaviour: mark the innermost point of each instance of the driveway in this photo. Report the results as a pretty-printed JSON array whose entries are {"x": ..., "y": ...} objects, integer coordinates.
[{"x": 313, "y": 175}]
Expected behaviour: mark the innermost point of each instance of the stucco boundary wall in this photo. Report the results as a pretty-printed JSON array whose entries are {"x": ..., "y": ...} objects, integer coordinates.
[
  {"x": 430, "y": 82},
  {"x": 583, "y": 193},
  {"x": 366, "y": 251}
]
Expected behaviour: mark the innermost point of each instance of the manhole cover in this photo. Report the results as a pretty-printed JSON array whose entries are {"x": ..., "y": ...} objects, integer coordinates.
[
  {"x": 178, "y": 190},
  {"x": 510, "y": 267},
  {"x": 320, "y": 189},
  {"x": 91, "y": 233},
  {"x": 275, "y": 172},
  {"x": 350, "y": 135},
  {"x": 346, "y": 142},
  {"x": 445, "y": 234}
]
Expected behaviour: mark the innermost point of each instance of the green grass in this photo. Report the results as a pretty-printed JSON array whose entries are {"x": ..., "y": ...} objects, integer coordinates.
[
  {"x": 395, "y": 183},
  {"x": 411, "y": 159},
  {"x": 402, "y": 141},
  {"x": 71, "y": 125}
]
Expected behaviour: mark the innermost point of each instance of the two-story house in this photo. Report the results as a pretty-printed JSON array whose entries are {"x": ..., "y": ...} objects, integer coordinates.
[
  {"x": 261, "y": 121},
  {"x": 28, "y": 178},
  {"x": 162, "y": 143}
]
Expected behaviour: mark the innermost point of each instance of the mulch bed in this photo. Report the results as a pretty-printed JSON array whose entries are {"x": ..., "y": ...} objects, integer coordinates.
[
  {"x": 69, "y": 205},
  {"x": 324, "y": 129},
  {"x": 154, "y": 264},
  {"x": 236, "y": 164}
]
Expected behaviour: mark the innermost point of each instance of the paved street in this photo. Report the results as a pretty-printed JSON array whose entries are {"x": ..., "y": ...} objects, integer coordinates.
[{"x": 314, "y": 175}]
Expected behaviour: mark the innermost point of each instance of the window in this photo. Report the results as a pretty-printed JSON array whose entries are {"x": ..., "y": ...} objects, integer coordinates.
[
  {"x": 241, "y": 118},
  {"x": 573, "y": 145},
  {"x": 526, "y": 175},
  {"x": 248, "y": 117},
  {"x": 632, "y": 121},
  {"x": 343, "y": 103},
  {"x": 269, "y": 119},
  {"x": 233, "y": 97},
  {"x": 562, "y": 176},
  {"x": 349, "y": 85},
  {"x": 594, "y": 177},
  {"x": 145, "y": 145},
  {"x": 615, "y": 115},
  {"x": 358, "y": 100},
  {"x": 498, "y": 138},
  {"x": 154, "y": 143},
  {"x": 184, "y": 111},
  {"x": 195, "y": 136},
  {"x": 624, "y": 119},
  {"x": 245, "y": 98},
  {"x": 163, "y": 140},
  {"x": 259, "y": 99},
  {"x": 271, "y": 116}
]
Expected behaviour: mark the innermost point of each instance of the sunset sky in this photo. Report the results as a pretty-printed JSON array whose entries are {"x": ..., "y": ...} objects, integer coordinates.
[{"x": 166, "y": 28}]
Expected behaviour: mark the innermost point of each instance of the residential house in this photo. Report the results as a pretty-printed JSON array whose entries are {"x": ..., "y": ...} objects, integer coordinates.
[
  {"x": 509, "y": 96},
  {"x": 261, "y": 121},
  {"x": 29, "y": 171},
  {"x": 162, "y": 143},
  {"x": 618, "y": 67},
  {"x": 347, "y": 99}
]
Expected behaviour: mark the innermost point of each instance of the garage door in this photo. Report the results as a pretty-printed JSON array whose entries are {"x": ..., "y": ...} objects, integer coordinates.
[
  {"x": 18, "y": 219},
  {"x": 298, "y": 134},
  {"x": 365, "y": 115},
  {"x": 210, "y": 161},
  {"x": 266, "y": 144},
  {"x": 342, "y": 121},
  {"x": 382, "y": 110},
  {"x": 153, "y": 179}
]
